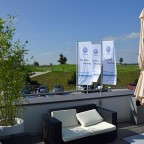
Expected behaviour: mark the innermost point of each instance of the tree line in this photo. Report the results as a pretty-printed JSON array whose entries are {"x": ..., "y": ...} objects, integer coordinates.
[{"x": 62, "y": 60}]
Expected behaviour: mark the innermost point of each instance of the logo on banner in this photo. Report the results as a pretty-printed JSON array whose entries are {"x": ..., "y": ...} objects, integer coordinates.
[
  {"x": 95, "y": 51},
  {"x": 108, "y": 49},
  {"x": 85, "y": 49}
]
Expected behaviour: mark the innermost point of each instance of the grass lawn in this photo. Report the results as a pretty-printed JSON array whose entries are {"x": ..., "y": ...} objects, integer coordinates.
[{"x": 61, "y": 73}]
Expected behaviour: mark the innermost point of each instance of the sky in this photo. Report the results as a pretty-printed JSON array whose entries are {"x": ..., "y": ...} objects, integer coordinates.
[{"x": 53, "y": 27}]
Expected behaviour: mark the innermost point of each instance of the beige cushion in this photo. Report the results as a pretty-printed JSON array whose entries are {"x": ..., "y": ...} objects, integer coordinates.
[
  {"x": 101, "y": 127},
  {"x": 73, "y": 133},
  {"x": 67, "y": 117},
  {"x": 89, "y": 117}
]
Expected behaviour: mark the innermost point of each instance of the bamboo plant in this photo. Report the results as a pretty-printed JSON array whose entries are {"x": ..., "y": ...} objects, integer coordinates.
[{"x": 12, "y": 72}]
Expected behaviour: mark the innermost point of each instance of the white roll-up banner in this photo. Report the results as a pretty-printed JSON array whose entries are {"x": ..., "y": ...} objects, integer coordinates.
[
  {"x": 109, "y": 72},
  {"x": 96, "y": 61},
  {"x": 85, "y": 74},
  {"x": 107, "y": 49}
]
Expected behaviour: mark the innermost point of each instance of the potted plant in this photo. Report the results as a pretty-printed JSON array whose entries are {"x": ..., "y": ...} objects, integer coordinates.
[{"x": 12, "y": 77}]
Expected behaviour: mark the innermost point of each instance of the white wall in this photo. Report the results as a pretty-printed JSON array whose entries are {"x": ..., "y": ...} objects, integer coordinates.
[{"x": 117, "y": 101}]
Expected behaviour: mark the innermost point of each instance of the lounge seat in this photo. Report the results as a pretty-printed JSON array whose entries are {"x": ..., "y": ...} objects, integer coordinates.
[
  {"x": 73, "y": 133},
  {"x": 79, "y": 125},
  {"x": 100, "y": 128}
]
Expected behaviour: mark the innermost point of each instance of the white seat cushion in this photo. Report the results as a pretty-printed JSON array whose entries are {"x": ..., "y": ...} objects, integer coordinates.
[
  {"x": 101, "y": 127},
  {"x": 89, "y": 117},
  {"x": 67, "y": 117},
  {"x": 73, "y": 133}
]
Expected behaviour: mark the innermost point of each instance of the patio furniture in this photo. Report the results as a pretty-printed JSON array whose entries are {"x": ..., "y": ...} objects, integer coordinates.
[
  {"x": 22, "y": 138},
  {"x": 77, "y": 128}
]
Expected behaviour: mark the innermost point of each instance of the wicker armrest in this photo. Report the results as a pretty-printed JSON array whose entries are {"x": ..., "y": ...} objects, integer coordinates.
[
  {"x": 51, "y": 129},
  {"x": 108, "y": 115}
]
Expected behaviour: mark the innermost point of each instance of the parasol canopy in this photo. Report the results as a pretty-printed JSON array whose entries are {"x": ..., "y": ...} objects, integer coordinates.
[{"x": 139, "y": 91}]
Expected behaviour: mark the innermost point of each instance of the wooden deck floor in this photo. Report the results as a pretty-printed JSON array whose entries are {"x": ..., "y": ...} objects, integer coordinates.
[{"x": 125, "y": 129}]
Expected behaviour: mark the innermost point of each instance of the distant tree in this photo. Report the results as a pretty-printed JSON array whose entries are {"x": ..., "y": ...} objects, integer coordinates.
[
  {"x": 62, "y": 59},
  {"x": 36, "y": 63},
  {"x": 121, "y": 60},
  {"x": 50, "y": 64}
]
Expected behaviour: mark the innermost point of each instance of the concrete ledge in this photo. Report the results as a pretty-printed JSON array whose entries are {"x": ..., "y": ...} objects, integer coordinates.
[
  {"x": 118, "y": 101},
  {"x": 76, "y": 97}
]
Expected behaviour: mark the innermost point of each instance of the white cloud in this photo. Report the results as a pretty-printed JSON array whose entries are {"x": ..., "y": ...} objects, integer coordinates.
[
  {"x": 123, "y": 37},
  {"x": 132, "y": 35}
]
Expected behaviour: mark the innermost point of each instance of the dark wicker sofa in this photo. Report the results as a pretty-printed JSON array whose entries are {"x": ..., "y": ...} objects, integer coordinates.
[
  {"x": 52, "y": 128},
  {"x": 21, "y": 138}
]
